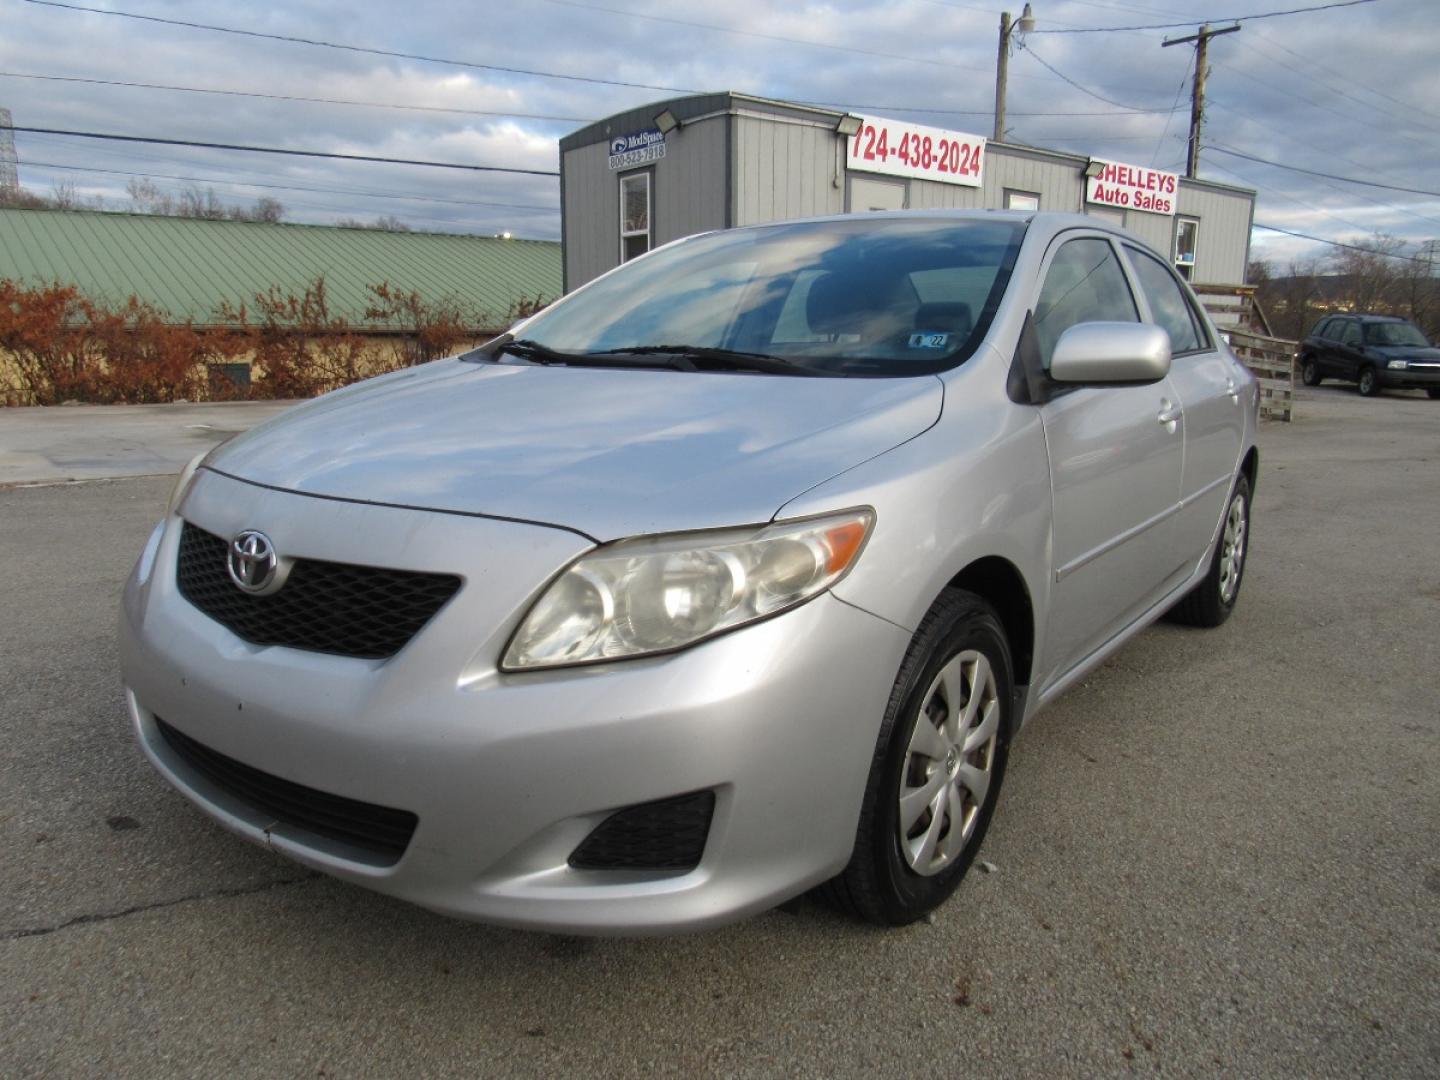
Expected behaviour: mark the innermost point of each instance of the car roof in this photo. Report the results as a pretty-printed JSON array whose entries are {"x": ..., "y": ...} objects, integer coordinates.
[
  {"x": 1054, "y": 220},
  {"x": 1364, "y": 316}
]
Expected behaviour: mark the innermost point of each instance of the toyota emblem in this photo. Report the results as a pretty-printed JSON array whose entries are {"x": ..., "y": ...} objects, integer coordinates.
[{"x": 252, "y": 562}]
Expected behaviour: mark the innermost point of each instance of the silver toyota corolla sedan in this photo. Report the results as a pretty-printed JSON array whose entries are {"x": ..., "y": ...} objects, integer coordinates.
[{"x": 732, "y": 574}]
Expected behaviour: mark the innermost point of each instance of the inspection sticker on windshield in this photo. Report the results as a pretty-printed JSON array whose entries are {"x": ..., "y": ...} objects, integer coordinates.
[{"x": 928, "y": 340}]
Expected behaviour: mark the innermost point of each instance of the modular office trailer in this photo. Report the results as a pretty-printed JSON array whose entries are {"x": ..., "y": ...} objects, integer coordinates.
[{"x": 650, "y": 175}]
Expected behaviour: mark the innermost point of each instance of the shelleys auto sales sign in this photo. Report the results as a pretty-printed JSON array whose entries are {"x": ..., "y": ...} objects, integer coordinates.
[
  {"x": 926, "y": 153},
  {"x": 1132, "y": 187}
]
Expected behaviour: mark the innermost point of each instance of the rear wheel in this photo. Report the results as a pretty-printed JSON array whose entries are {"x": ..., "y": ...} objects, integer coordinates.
[
  {"x": 1310, "y": 371},
  {"x": 1211, "y": 602},
  {"x": 1369, "y": 384},
  {"x": 1434, "y": 392},
  {"x": 938, "y": 764}
]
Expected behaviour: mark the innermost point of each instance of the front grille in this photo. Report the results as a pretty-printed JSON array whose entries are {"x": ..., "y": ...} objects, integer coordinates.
[
  {"x": 666, "y": 835},
  {"x": 380, "y": 830},
  {"x": 362, "y": 611}
]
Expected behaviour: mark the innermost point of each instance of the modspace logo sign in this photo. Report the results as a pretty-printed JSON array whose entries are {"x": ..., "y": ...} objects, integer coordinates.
[
  {"x": 1132, "y": 187},
  {"x": 636, "y": 149}
]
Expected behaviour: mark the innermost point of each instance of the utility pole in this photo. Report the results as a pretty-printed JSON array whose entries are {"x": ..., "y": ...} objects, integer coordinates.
[
  {"x": 9, "y": 179},
  {"x": 1025, "y": 24},
  {"x": 1197, "y": 94}
]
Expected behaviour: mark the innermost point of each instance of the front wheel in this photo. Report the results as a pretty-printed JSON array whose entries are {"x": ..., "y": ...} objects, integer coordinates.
[
  {"x": 1211, "y": 602},
  {"x": 938, "y": 764},
  {"x": 1369, "y": 384},
  {"x": 1434, "y": 393},
  {"x": 1310, "y": 372}
]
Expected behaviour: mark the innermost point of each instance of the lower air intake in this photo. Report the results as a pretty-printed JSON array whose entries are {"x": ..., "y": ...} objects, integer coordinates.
[
  {"x": 379, "y": 830},
  {"x": 669, "y": 834}
]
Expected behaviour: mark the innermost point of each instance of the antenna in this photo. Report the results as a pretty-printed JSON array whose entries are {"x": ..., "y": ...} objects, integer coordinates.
[{"x": 9, "y": 177}]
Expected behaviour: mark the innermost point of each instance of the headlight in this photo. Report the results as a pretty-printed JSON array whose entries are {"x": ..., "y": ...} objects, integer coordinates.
[
  {"x": 1398, "y": 365},
  {"x": 182, "y": 482},
  {"x": 662, "y": 593}
]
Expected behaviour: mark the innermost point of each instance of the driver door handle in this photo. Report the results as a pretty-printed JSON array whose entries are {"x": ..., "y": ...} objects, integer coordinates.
[{"x": 1169, "y": 413}]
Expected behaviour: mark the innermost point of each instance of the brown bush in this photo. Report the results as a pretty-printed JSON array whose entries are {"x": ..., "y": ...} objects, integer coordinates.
[
  {"x": 430, "y": 329},
  {"x": 300, "y": 347},
  {"x": 62, "y": 345},
  {"x": 66, "y": 347},
  {"x": 527, "y": 306}
]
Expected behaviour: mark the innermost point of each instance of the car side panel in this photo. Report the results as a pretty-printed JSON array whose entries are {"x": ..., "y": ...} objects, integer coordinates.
[{"x": 975, "y": 485}]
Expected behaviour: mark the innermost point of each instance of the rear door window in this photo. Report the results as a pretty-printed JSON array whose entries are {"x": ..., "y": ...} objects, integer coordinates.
[{"x": 1168, "y": 306}]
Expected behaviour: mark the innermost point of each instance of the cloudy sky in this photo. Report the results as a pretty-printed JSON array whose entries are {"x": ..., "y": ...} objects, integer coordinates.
[{"x": 1339, "y": 92}]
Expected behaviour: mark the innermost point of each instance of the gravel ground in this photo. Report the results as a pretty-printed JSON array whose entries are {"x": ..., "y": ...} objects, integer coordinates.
[{"x": 1218, "y": 855}]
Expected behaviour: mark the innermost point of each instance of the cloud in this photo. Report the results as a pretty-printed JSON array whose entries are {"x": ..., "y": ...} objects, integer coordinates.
[{"x": 1337, "y": 92}]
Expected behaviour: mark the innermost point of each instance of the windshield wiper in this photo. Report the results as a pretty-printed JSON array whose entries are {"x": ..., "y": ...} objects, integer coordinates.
[
  {"x": 543, "y": 354},
  {"x": 533, "y": 351},
  {"x": 705, "y": 357}
]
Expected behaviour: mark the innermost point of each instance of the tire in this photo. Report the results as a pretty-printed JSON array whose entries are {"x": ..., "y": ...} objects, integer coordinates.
[
  {"x": 890, "y": 880},
  {"x": 1433, "y": 392},
  {"x": 1369, "y": 385},
  {"x": 1213, "y": 599},
  {"x": 1310, "y": 372}
]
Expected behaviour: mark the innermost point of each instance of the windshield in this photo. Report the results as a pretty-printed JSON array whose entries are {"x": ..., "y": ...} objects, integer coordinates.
[
  {"x": 859, "y": 297},
  {"x": 1393, "y": 333}
]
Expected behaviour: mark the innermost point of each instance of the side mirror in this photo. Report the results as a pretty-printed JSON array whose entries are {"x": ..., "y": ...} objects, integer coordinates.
[{"x": 1109, "y": 353}]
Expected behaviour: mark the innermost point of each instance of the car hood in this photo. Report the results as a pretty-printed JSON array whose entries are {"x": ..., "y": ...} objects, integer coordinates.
[
  {"x": 1408, "y": 352},
  {"x": 609, "y": 453}
]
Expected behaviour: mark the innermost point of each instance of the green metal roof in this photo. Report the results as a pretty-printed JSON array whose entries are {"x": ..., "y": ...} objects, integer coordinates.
[{"x": 187, "y": 266}]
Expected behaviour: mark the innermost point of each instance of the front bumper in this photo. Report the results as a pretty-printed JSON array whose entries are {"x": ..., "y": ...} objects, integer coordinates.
[
  {"x": 1409, "y": 379},
  {"x": 509, "y": 773}
]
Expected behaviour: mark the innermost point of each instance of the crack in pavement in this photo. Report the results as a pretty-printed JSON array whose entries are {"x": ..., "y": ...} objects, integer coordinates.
[{"x": 81, "y": 920}]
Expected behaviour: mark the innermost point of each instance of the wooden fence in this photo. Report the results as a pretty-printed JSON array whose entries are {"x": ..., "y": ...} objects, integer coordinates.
[{"x": 1271, "y": 359}]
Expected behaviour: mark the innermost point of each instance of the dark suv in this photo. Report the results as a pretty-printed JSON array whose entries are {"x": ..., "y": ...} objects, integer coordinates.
[{"x": 1374, "y": 351}]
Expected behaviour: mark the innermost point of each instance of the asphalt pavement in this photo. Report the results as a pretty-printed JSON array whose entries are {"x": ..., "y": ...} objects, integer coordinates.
[
  {"x": 89, "y": 442},
  {"x": 1216, "y": 856}
]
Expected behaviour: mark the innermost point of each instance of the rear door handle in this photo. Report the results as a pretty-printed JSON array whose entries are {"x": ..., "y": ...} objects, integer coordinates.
[{"x": 1232, "y": 390}]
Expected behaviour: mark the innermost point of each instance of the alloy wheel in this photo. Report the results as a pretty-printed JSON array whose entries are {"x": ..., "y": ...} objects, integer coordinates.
[
  {"x": 1232, "y": 549},
  {"x": 949, "y": 763}
]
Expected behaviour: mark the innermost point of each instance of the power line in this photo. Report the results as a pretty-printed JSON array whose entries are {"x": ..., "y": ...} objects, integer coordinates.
[
  {"x": 369, "y": 50},
  {"x": 516, "y": 115},
  {"x": 1368, "y": 122},
  {"x": 1347, "y": 192},
  {"x": 1099, "y": 97},
  {"x": 1191, "y": 22},
  {"x": 1289, "y": 198},
  {"x": 289, "y": 97},
  {"x": 747, "y": 33},
  {"x": 109, "y": 136},
  {"x": 1339, "y": 244},
  {"x": 292, "y": 187},
  {"x": 972, "y": 112},
  {"x": 1179, "y": 90},
  {"x": 1295, "y": 168},
  {"x": 1343, "y": 91}
]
